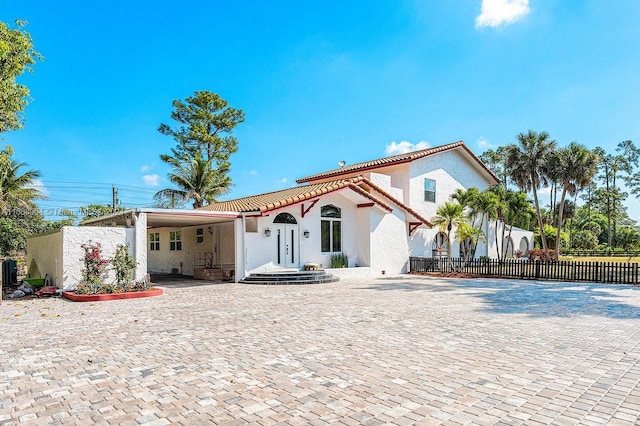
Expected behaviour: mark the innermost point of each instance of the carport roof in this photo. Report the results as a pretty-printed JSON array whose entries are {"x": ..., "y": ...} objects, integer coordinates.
[{"x": 157, "y": 218}]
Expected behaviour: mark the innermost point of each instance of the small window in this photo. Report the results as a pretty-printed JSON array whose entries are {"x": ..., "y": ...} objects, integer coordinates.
[
  {"x": 175, "y": 240},
  {"x": 154, "y": 239},
  {"x": 430, "y": 190},
  {"x": 199, "y": 235}
]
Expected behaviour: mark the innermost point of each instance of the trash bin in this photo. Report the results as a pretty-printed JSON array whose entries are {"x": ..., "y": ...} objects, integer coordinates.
[{"x": 9, "y": 272}]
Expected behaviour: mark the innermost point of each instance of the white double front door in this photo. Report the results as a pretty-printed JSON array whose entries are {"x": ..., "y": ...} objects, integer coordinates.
[{"x": 287, "y": 243}]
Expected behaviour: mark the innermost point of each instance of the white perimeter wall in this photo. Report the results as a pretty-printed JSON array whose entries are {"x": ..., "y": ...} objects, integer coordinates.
[
  {"x": 73, "y": 239},
  {"x": 61, "y": 254},
  {"x": 46, "y": 251}
]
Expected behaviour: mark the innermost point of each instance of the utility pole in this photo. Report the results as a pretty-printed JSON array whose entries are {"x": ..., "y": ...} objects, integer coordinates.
[{"x": 115, "y": 200}]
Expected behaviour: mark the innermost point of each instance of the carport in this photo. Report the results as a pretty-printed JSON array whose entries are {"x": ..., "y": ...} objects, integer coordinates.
[{"x": 196, "y": 243}]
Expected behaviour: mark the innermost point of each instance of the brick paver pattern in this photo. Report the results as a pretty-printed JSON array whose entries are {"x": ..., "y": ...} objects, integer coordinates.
[{"x": 394, "y": 350}]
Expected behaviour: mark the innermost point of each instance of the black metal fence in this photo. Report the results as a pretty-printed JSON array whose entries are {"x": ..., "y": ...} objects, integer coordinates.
[{"x": 564, "y": 270}]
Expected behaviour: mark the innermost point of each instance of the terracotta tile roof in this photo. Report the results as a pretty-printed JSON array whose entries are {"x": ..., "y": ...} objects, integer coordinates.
[
  {"x": 399, "y": 203},
  {"x": 263, "y": 203},
  {"x": 394, "y": 160}
]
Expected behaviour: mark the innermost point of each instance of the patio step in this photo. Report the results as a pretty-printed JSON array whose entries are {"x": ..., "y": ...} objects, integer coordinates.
[{"x": 290, "y": 278}]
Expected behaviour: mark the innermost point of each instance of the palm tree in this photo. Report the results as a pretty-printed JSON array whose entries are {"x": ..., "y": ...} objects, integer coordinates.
[
  {"x": 484, "y": 206},
  {"x": 526, "y": 162},
  {"x": 468, "y": 236},
  {"x": 448, "y": 215},
  {"x": 195, "y": 179},
  {"x": 16, "y": 187},
  {"x": 575, "y": 167}
]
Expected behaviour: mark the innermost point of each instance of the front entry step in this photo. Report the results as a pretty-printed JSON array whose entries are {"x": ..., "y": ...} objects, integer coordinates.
[{"x": 290, "y": 278}]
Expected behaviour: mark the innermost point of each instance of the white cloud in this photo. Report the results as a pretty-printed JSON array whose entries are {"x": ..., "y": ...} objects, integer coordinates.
[
  {"x": 494, "y": 13},
  {"x": 283, "y": 180},
  {"x": 39, "y": 185},
  {"x": 395, "y": 148},
  {"x": 484, "y": 143},
  {"x": 253, "y": 172},
  {"x": 147, "y": 167},
  {"x": 151, "y": 180}
]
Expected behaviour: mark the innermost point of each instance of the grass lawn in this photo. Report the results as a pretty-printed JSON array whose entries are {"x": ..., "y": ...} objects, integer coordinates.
[{"x": 601, "y": 258}]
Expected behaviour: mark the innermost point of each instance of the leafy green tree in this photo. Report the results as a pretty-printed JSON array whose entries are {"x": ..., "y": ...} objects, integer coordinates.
[
  {"x": 200, "y": 161},
  {"x": 585, "y": 240},
  {"x": 628, "y": 238},
  {"x": 16, "y": 56},
  {"x": 526, "y": 163},
  {"x": 97, "y": 210},
  {"x": 448, "y": 216},
  {"x": 496, "y": 161},
  {"x": 611, "y": 167},
  {"x": 573, "y": 167},
  {"x": 206, "y": 122}
]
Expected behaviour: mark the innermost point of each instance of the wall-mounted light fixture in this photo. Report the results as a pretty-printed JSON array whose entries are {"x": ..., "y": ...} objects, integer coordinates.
[
  {"x": 267, "y": 232},
  {"x": 210, "y": 230},
  {"x": 306, "y": 233}
]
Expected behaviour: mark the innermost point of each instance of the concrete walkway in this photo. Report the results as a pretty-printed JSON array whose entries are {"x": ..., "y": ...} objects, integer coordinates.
[{"x": 399, "y": 350}]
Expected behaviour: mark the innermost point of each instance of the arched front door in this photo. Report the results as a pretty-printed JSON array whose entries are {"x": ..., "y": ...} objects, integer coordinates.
[{"x": 285, "y": 228}]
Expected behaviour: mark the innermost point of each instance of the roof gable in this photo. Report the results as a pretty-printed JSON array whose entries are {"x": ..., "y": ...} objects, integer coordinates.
[
  {"x": 399, "y": 159},
  {"x": 268, "y": 202}
]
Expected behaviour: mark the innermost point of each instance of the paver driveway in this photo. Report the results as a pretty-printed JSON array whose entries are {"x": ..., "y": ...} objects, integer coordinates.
[{"x": 399, "y": 350}]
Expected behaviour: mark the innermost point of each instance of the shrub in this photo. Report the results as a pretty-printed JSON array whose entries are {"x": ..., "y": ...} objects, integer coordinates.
[
  {"x": 339, "y": 260},
  {"x": 94, "y": 269},
  {"x": 123, "y": 264}
]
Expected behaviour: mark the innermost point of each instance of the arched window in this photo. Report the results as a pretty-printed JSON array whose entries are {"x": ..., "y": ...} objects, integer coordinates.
[
  {"x": 440, "y": 246},
  {"x": 330, "y": 229},
  {"x": 507, "y": 247},
  {"x": 524, "y": 246},
  {"x": 285, "y": 218}
]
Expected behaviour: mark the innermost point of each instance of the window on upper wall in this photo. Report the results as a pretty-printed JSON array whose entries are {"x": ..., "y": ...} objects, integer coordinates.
[
  {"x": 430, "y": 190},
  {"x": 175, "y": 240},
  {"x": 331, "y": 229},
  {"x": 154, "y": 241},
  {"x": 199, "y": 235}
]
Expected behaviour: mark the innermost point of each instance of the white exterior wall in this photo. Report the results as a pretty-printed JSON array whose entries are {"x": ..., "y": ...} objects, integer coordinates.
[
  {"x": 450, "y": 170},
  {"x": 260, "y": 252},
  {"x": 219, "y": 241},
  {"x": 46, "y": 252},
  {"x": 389, "y": 245},
  {"x": 73, "y": 239}
]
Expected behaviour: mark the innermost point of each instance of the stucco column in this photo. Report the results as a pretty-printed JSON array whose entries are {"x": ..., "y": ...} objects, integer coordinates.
[
  {"x": 238, "y": 238},
  {"x": 140, "y": 246}
]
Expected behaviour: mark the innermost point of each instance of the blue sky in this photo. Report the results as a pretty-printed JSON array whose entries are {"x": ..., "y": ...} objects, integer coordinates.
[{"x": 319, "y": 81}]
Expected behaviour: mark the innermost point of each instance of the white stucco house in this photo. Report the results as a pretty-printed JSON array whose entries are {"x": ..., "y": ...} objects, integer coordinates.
[{"x": 376, "y": 213}]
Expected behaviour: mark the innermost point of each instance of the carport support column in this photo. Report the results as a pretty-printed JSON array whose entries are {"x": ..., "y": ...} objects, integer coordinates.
[
  {"x": 238, "y": 237},
  {"x": 140, "y": 251}
]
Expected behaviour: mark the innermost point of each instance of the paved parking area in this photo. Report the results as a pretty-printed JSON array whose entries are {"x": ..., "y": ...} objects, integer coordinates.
[{"x": 399, "y": 350}]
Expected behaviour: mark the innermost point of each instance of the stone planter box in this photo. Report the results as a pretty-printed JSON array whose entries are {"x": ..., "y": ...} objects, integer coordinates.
[{"x": 154, "y": 291}]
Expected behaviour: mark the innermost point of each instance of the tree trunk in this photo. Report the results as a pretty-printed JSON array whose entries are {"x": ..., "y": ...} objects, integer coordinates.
[
  {"x": 543, "y": 238},
  {"x": 560, "y": 213}
]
